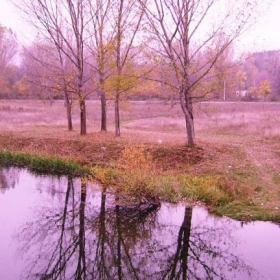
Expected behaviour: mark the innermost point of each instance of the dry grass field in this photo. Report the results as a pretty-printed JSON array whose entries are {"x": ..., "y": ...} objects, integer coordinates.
[{"x": 240, "y": 141}]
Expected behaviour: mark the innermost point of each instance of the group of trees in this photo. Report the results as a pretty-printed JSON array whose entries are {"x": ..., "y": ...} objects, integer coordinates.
[
  {"x": 113, "y": 48},
  {"x": 262, "y": 72},
  {"x": 252, "y": 78},
  {"x": 90, "y": 47}
]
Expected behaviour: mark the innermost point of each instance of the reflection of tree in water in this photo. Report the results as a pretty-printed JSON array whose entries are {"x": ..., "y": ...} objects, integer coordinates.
[
  {"x": 119, "y": 230},
  {"x": 75, "y": 240},
  {"x": 8, "y": 178},
  {"x": 204, "y": 252}
]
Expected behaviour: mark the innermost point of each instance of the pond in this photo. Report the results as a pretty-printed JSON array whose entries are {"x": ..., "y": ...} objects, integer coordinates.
[{"x": 62, "y": 228}]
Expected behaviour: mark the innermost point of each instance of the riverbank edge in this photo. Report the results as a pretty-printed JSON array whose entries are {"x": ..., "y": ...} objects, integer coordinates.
[
  {"x": 203, "y": 189},
  {"x": 42, "y": 165}
]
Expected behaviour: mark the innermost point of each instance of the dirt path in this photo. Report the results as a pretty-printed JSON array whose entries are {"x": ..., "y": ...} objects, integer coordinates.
[{"x": 255, "y": 160}]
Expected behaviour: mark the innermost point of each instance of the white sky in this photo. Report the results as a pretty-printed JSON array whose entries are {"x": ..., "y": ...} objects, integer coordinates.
[
  {"x": 10, "y": 17},
  {"x": 265, "y": 35}
]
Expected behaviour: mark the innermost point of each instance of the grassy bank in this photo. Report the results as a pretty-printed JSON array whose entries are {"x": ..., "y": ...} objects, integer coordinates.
[
  {"x": 216, "y": 192},
  {"x": 137, "y": 182},
  {"x": 42, "y": 164},
  {"x": 247, "y": 211},
  {"x": 139, "y": 187},
  {"x": 135, "y": 178}
]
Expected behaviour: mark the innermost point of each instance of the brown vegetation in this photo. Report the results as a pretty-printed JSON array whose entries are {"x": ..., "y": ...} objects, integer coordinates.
[{"x": 237, "y": 141}]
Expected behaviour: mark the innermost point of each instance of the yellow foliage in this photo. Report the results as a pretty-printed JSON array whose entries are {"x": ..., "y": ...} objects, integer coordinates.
[
  {"x": 22, "y": 86},
  {"x": 124, "y": 82},
  {"x": 241, "y": 78},
  {"x": 135, "y": 159},
  {"x": 147, "y": 88},
  {"x": 265, "y": 88}
]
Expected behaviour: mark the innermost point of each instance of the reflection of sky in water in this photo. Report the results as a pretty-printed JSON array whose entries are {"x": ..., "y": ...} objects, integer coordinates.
[
  {"x": 14, "y": 208},
  {"x": 261, "y": 247},
  {"x": 152, "y": 245}
]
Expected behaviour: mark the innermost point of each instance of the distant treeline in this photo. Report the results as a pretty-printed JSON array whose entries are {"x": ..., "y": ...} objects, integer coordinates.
[{"x": 241, "y": 82}]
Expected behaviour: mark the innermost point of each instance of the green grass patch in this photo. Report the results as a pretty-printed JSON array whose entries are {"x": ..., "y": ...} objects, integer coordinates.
[
  {"x": 208, "y": 189},
  {"x": 247, "y": 211},
  {"x": 145, "y": 187},
  {"x": 41, "y": 164}
]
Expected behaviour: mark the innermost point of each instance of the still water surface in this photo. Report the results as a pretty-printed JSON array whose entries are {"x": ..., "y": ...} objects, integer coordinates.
[{"x": 59, "y": 228}]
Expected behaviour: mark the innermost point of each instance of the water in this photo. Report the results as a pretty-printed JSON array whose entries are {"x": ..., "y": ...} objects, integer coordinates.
[{"x": 59, "y": 228}]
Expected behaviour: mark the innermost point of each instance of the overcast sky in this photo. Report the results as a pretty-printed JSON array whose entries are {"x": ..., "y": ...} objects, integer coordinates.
[{"x": 263, "y": 36}]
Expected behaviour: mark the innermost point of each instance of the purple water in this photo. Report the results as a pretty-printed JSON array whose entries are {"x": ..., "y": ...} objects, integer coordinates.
[{"x": 59, "y": 228}]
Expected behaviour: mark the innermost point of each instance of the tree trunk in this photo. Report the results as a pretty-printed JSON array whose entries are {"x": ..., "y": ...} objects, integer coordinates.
[
  {"x": 103, "y": 111},
  {"x": 117, "y": 115},
  {"x": 189, "y": 120},
  {"x": 119, "y": 249},
  {"x": 83, "y": 116},
  {"x": 69, "y": 111},
  {"x": 119, "y": 69},
  {"x": 180, "y": 263},
  {"x": 69, "y": 117},
  {"x": 81, "y": 266},
  {"x": 187, "y": 108},
  {"x": 189, "y": 128},
  {"x": 186, "y": 228}
]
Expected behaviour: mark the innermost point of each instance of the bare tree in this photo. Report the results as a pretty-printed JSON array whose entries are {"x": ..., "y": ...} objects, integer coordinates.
[
  {"x": 128, "y": 15},
  {"x": 64, "y": 23},
  {"x": 184, "y": 29},
  {"x": 64, "y": 80},
  {"x": 49, "y": 70},
  {"x": 100, "y": 46},
  {"x": 8, "y": 47},
  {"x": 39, "y": 66}
]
